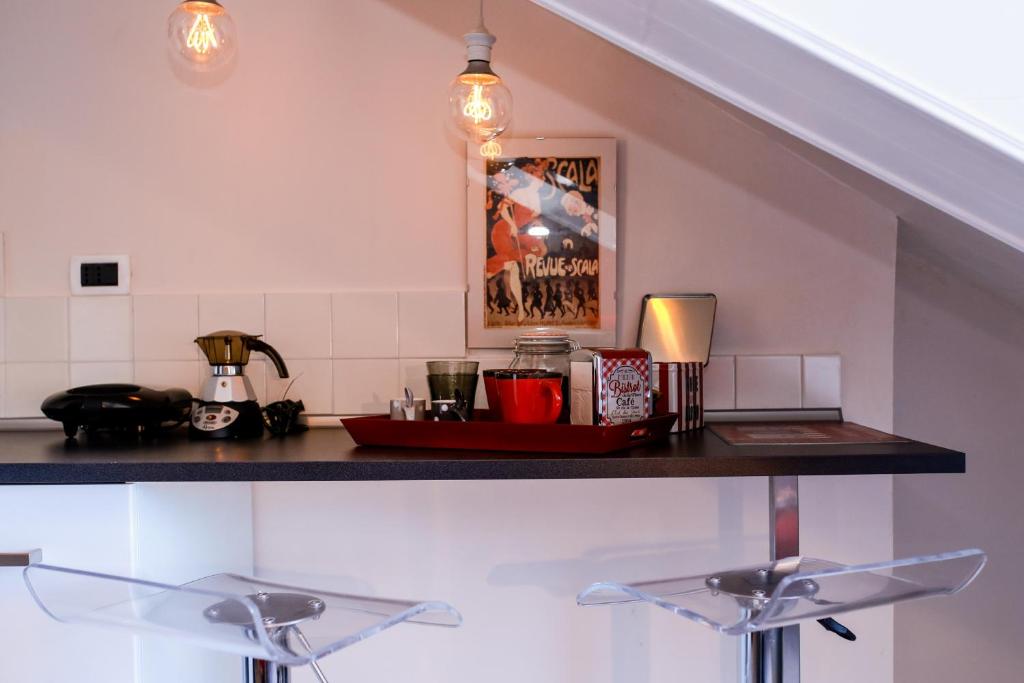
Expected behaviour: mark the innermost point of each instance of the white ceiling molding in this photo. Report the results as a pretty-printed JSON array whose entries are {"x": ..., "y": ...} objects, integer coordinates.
[{"x": 826, "y": 97}]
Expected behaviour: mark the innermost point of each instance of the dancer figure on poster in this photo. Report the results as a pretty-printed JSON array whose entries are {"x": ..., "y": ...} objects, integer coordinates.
[
  {"x": 535, "y": 299},
  {"x": 517, "y": 211},
  {"x": 549, "y": 300},
  {"x": 559, "y": 300},
  {"x": 501, "y": 297},
  {"x": 580, "y": 298}
]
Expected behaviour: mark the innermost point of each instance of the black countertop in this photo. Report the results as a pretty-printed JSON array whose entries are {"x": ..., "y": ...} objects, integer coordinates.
[{"x": 43, "y": 457}]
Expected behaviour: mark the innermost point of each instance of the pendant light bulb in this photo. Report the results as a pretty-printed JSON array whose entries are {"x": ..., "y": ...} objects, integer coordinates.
[
  {"x": 201, "y": 35},
  {"x": 479, "y": 103}
]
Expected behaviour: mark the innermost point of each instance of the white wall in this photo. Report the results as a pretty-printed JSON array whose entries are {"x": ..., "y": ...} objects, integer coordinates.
[
  {"x": 322, "y": 164},
  {"x": 960, "y": 382}
]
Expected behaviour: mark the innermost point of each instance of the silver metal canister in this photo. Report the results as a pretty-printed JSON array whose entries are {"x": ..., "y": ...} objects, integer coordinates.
[{"x": 610, "y": 386}]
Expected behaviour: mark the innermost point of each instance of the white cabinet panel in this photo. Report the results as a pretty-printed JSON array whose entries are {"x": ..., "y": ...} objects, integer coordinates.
[{"x": 77, "y": 526}]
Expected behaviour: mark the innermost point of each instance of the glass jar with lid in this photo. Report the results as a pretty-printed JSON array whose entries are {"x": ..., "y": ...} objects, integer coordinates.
[{"x": 546, "y": 349}]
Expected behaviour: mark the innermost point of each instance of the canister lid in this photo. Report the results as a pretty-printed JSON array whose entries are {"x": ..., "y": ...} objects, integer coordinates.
[
  {"x": 677, "y": 328},
  {"x": 545, "y": 340}
]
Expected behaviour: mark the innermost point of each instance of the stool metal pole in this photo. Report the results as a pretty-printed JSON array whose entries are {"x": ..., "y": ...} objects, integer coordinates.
[
  {"x": 773, "y": 656},
  {"x": 781, "y": 646}
]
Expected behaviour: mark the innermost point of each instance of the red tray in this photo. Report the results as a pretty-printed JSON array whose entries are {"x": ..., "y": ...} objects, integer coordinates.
[{"x": 483, "y": 434}]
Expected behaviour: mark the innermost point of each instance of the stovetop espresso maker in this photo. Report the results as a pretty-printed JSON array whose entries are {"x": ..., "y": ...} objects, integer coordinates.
[{"x": 227, "y": 406}]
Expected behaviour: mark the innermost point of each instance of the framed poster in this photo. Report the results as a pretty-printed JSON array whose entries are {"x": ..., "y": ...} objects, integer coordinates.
[{"x": 541, "y": 240}]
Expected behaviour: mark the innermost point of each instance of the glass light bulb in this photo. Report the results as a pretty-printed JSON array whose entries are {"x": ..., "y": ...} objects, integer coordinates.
[
  {"x": 202, "y": 35},
  {"x": 480, "y": 106}
]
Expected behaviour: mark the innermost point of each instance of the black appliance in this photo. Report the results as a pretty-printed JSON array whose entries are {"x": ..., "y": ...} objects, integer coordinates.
[{"x": 127, "y": 408}]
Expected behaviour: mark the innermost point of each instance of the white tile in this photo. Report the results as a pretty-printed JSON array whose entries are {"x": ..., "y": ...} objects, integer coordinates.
[
  {"x": 241, "y": 312},
  {"x": 412, "y": 373},
  {"x": 36, "y": 329},
  {"x": 312, "y": 384},
  {"x": 720, "y": 383},
  {"x": 255, "y": 370},
  {"x": 28, "y": 384},
  {"x": 768, "y": 382},
  {"x": 163, "y": 374},
  {"x": 365, "y": 324},
  {"x": 100, "y": 328},
  {"x": 364, "y": 386},
  {"x": 822, "y": 382},
  {"x": 119, "y": 372},
  {"x": 299, "y": 325},
  {"x": 432, "y": 324},
  {"x": 166, "y": 326}
]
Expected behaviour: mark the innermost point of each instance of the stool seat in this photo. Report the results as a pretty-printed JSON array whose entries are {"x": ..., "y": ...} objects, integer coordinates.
[
  {"x": 283, "y": 624},
  {"x": 749, "y": 599}
]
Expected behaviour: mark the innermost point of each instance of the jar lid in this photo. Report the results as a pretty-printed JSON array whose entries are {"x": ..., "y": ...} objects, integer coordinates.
[{"x": 545, "y": 339}]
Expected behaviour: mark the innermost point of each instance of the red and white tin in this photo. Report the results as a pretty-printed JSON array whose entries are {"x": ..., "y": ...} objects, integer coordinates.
[
  {"x": 610, "y": 386},
  {"x": 680, "y": 390}
]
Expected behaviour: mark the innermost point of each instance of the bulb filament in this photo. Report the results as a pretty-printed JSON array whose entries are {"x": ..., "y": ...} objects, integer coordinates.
[
  {"x": 202, "y": 37},
  {"x": 477, "y": 107},
  {"x": 490, "y": 149}
]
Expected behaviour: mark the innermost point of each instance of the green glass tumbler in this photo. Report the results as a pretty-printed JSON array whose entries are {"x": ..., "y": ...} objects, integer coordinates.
[{"x": 445, "y": 376}]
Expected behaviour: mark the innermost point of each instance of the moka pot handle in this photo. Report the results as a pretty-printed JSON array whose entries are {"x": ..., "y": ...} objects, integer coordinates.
[{"x": 268, "y": 350}]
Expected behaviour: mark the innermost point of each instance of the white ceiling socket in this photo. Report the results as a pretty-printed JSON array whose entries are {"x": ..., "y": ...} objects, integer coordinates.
[{"x": 102, "y": 274}]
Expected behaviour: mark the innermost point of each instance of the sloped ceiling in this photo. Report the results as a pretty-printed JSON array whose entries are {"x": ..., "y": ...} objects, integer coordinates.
[{"x": 957, "y": 186}]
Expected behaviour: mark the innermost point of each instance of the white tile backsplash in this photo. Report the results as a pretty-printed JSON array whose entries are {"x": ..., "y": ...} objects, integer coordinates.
[
  {"x": 363, "y": 386},
  {"x": 163, "y": 374},
  {"x": 36, "y": 329},
  {"x": 165, "y": 326},
  {"x": 100, "y": 328},
  {"x": 365, "y": 324},
  {"x": 109, "y": 372},
  {"x": 241, "y": 312},
  {"x": 379, "y": 341},
  {"x": 27, "y": 384},
  {"x": 299, "y": 325},
  {"x": 768, "y": 382},
  {"x": 312, "y": 383},
  {"x": 822, "y": 382},
  {"x": 432, "y": 324},
  {"x": 412, "y": 373},
  {"x": 720, "y": 383}
]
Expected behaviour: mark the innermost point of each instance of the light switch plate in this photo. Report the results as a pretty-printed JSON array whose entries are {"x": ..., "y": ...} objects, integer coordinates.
[{"x": 124, "y": 274}]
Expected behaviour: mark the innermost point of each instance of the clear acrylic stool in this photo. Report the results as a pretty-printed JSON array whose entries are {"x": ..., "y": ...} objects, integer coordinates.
[
  {"x": 272, "y": 626},
  {"x": 757, "y": 602}
]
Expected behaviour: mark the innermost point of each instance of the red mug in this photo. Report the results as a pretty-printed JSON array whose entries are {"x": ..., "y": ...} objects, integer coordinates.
[
  {"x": 529, "y": 396},
  {"x": 491, "y": 389}
]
